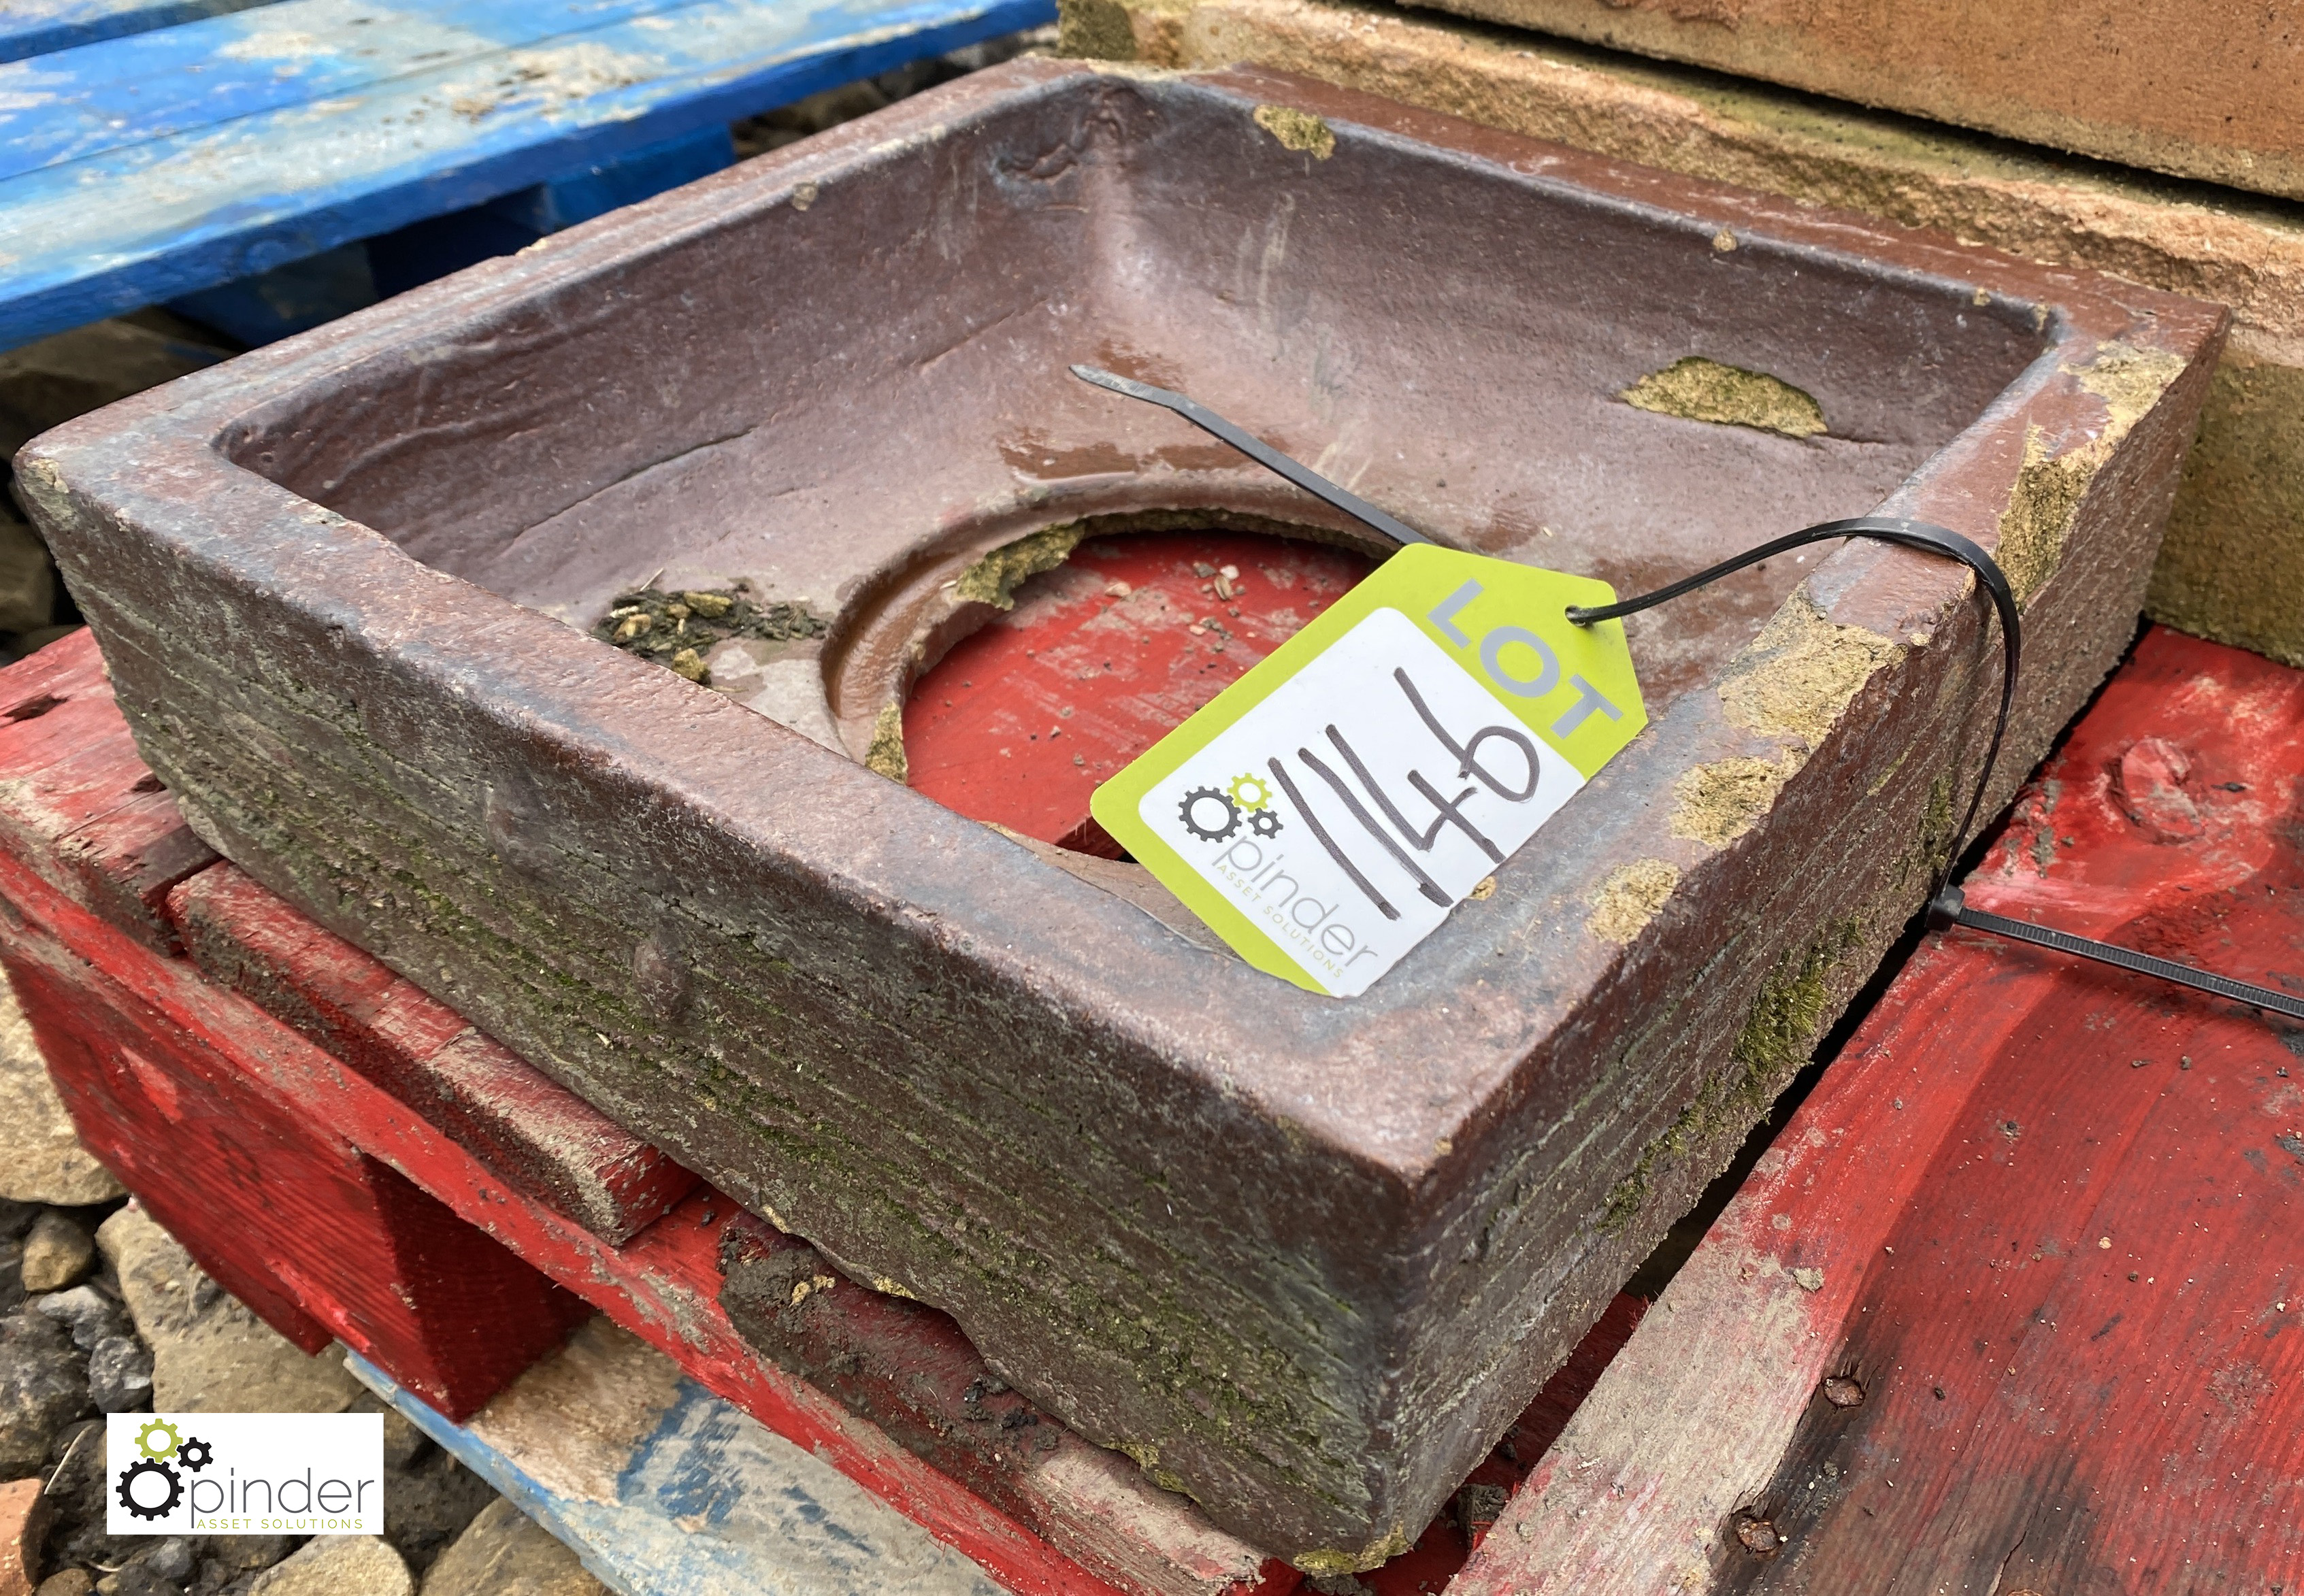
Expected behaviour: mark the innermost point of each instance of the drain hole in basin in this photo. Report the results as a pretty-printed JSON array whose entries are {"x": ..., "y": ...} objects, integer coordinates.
[{"x": 1100, "y": 658}]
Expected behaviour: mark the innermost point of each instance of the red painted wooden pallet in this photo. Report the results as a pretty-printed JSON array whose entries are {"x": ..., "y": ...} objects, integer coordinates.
[
  {"x": 2013, "y": 1303},
  {"x": 1929, "y": 1222}
]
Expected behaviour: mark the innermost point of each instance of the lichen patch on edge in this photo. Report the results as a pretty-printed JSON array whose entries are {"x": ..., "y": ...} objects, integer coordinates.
[
  {"x": 1800, "y": 673},
  {"x": 1630, "y": 897},
  {"x": 2050, "y": 485},
  {"x": 885, "y": 757},
  {"x": 1298, "y": 129},
  {"x": 1721, "y": 801},
  {"x": 994, "y": 579}
]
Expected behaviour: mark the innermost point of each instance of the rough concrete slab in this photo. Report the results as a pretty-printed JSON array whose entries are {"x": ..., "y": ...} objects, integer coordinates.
[
  {"x": 2198, "y": 88},
  {"x": 2232, "y": 568}
]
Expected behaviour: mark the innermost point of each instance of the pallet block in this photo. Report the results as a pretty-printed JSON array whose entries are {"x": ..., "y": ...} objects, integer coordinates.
[
  {"x": 322, "y": 1241},
  {"x": 548, "y": 1142}
]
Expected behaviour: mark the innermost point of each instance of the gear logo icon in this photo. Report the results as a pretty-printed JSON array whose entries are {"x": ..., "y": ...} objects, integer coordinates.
[
  {"x": 195, "y": 1455},
  {"x": 1263, "y": 822},
  {"x": 138, "y": 1502},
  {"x": 1209, "y": 814},
  {"x": 158, "y": 1454},
  {"x": 1250, "y": 793}
]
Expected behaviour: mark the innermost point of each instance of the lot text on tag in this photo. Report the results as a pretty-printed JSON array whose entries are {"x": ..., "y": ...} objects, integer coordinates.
[{"x": 1326, "y": 812}]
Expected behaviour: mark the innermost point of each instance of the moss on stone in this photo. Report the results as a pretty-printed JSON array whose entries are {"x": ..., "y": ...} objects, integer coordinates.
[
  {"x": 994, "y": 579},
  {"x": 1781, "y": 1028},
  {"x": 1696, "y": 389}
]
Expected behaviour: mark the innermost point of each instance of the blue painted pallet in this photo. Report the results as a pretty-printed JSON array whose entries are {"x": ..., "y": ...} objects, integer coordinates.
[
  {"x": 147, "y": 167},
  {"x": 42, "y": 26},
  {"x": 664, "y": 1489}
]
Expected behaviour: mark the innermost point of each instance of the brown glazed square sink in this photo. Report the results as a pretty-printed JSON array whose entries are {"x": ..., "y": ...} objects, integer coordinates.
[{"x": 1302, "y": 1258}]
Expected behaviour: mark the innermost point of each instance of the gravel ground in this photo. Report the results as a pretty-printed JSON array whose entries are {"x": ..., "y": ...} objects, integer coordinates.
[{"x": 72, "y": 1350}]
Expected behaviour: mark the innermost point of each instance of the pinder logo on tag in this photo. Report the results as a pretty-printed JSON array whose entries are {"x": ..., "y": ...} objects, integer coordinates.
[
  {"x": 1326, "y": 812},
  {"x": 1214, "y": 817}
]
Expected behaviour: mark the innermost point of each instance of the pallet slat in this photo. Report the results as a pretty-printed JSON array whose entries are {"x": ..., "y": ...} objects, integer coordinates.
[
  {"x": 77, "y": 805},
  {"x": 254, "y": 189},
  {"x": 2042, "y": 1214},
  {"x": 44, "y": 27}
]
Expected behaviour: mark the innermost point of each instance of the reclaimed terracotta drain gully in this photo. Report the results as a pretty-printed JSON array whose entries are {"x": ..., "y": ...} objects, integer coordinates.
[{"x": 1304, "y": 1259}]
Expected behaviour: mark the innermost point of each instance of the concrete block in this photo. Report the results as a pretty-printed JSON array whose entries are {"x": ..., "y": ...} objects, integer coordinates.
[{"x": 2198, "y": 88}]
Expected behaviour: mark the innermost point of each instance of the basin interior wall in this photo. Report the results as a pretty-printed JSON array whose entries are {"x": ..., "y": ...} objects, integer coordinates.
[{"x": 841, "y": 397}]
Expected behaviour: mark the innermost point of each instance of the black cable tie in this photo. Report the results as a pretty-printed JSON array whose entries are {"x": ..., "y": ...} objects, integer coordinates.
[
  {"x": 1262, "y": 453},
  {"x": 1950, "y": 908},
  {"x": 1947, "y": 907},
  {"x": 1914, "y": 535}
]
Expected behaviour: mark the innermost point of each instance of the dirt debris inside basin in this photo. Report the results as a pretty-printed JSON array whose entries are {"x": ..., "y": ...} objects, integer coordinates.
[{"x": 678, "y": 629}]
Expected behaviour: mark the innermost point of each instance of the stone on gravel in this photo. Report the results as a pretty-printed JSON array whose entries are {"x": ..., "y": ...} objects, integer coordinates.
[
  {"x": 23, "y": 1524},
  {"x": 57, "y": 1253},
  {"x": 71, "y": 1582},
  {"x": 89, "y": 1312},
  {"x": 339, "y": 1566},
  {"x": 137, "y": 1580},
  {"x": 507, "y": 1553},
  {"x": 120, "y": 1375},
  {"x": 230, "y": 1562},
  {"x": 209, "y": 1352},
  {"x": 429, "y": 1504},
  {"x": 168, "y": 1559},
  {"x": 41, "y": 1160},
  {"x": 42, "y": 1388}
]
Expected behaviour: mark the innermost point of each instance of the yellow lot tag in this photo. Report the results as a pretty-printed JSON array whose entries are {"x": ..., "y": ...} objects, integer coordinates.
[{"x": 1327, "y": 810}]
